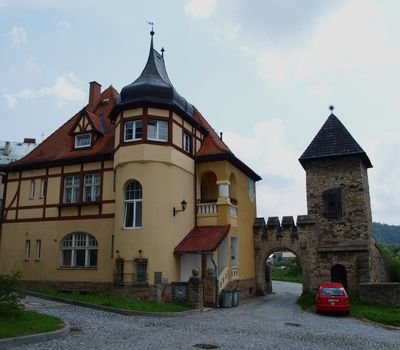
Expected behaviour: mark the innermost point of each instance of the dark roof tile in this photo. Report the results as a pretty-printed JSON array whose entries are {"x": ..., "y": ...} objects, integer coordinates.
[{"x": 333, "y": 140}]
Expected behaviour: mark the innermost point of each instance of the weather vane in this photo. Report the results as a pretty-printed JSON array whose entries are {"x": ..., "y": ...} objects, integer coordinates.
[
  {"x": 152, "y": 27},
  {"x": 331, "y": 107}
]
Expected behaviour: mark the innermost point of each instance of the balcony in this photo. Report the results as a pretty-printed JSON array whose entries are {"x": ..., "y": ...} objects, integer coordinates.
[{"x": 221, "y": 212}]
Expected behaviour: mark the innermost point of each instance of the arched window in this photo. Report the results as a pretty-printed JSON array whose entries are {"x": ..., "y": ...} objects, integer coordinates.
[
  {"x": 79, "y": 250},
  {"x": 133, "y": 205}
]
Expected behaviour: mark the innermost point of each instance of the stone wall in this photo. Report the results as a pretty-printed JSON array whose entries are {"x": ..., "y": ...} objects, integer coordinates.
[
  {"x": 70, "y": 286},
  {"x": 382, "y": 293},
  {"x": 246, "y": 287}
]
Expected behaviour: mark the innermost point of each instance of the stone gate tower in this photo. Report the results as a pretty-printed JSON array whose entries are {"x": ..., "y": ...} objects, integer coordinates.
[{"x": 343, "y": 249}]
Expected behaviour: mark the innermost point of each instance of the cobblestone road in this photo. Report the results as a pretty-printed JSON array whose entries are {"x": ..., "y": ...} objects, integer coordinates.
[{"x": 270, "y": 322}]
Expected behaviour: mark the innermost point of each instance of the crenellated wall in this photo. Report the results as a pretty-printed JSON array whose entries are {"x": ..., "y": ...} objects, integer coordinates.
[{"x": 275, "y": 235}]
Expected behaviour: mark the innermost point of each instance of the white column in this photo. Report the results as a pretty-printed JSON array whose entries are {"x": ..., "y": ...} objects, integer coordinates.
[{"x": 223, "y": 188}]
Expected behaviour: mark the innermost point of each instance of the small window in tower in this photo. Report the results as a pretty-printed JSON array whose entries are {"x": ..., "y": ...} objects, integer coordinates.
[
  {"x": 157, "y": 130},
  {"x": 186, "y": 143},
  {"x": 83, "y": 140},
  {"x": 133, "y": 130},
  {"x": 332, "y": 203}
]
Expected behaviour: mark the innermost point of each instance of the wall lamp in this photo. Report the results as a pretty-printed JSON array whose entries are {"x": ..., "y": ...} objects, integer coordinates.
[{"x": 183, "y": 206}]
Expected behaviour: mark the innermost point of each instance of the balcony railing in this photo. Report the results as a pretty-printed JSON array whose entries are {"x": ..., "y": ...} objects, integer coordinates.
[{"x": 207, "y": 208}]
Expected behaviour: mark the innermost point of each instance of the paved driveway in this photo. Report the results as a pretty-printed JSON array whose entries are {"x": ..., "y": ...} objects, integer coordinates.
[{"x": 270, "y": 322}]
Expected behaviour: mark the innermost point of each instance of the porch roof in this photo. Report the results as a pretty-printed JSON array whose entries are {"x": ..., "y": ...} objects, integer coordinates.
[{"x": 202, "y": 239}]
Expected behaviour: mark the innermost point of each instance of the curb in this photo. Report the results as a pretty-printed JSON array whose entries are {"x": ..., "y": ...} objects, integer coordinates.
[
  {"x": 33, "y": 338},
  {"x": 116, "y": 310}
]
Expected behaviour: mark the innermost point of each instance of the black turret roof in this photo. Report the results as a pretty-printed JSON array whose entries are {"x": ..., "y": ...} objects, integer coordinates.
[
  {"x": 333, "y": 140},
  {"x": 153, "y": 87}
]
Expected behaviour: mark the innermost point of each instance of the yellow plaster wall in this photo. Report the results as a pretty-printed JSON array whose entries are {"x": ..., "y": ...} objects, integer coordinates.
[
  {"x": 153, "y": 153},
  {"x": 158, "y": 112},
  {"x": 34, "y": 172},
  {"x": 53, "y": 190},
  {"x": 51, "y": 233},
  {"x": 72, "y": 168},
  {"x": 133, "y": 112},
  {"x": 92, "y": 166},
  {"x": 12, "y": 188},
  {"x": 55, "y": 170},
  {"x": 242, "y": 227},
  {"x": 177, "y": 135},
  {"x": 164, "y": 186},
  {"x": 30, "y": 213},
  {"x": 108, "y": 178}
]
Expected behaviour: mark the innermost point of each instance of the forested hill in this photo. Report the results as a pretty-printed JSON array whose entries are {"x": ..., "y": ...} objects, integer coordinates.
[{"x": 386, "y": 234}]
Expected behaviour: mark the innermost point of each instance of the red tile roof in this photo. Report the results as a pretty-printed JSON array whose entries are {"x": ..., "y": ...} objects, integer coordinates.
[
  {"x": 59, "y": 146},
  {"x": 202, "y": 239},
  {"x": 212, "y": 143}
]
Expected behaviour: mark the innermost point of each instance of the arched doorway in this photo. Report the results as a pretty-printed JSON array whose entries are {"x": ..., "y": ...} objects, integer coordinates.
[{"x": 339, "y": 274}]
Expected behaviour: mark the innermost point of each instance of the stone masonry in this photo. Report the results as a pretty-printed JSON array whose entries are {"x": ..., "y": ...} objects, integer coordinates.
[{"x": 334, "y": 241}]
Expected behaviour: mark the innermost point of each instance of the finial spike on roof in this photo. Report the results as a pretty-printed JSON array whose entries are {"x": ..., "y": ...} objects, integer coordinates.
[
  {"x": 331, "y": 107},
  {"x": 162, "y": 52}
]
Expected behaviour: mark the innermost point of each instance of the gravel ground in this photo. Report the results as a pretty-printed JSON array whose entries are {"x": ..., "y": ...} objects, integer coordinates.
[{"x": 270, "y": 322}]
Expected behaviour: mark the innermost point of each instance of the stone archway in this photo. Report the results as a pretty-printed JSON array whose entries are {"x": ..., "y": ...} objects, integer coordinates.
[
  {"x": 275, "y": 236},
  {"x": 268, "y": 266}
]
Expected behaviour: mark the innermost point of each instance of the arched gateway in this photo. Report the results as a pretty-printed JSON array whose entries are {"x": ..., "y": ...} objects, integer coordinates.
[{"x": 334, "y": 241}]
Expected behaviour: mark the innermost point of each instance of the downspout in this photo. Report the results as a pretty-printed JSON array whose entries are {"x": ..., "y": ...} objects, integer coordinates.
[
  {"x": 5, "y": 175},
  {"x": 216, "y": 279},
  {"x": 195, "y": 191}
]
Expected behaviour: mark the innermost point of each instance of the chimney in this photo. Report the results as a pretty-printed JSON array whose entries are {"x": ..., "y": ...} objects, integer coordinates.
[
  {"x": 94, "y": 95},
  {"x": 29, "y": 140},
  {"x": 7, "y": 148}
]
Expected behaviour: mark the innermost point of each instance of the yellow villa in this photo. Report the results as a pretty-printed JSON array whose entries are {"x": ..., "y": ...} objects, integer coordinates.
[{"x": 135, "y": 189}]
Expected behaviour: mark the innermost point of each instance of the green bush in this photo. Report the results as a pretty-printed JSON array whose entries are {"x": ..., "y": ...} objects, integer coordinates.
[
  {"x": 10, "y": 297},
  {"x": 391, "y": 256}
]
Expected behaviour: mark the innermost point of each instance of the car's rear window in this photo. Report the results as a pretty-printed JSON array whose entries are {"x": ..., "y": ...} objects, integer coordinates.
[{"x": 332, "y": 291}]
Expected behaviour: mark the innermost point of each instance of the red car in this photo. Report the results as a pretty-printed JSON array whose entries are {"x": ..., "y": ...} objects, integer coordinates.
[{"x": 332, "y": 297}]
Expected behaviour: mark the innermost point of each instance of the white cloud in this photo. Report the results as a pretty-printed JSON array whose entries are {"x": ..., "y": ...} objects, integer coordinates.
[
  {"x": 65, "y": 25},
  {"x": 282, "y": 189},
  {"x": 65, "y": 89},
  {"x": 384, "y": 177},
  {"x": 18, "y": 36},
  {"x": 353, "y": 39},
  {"x": 201, "y": 8}
]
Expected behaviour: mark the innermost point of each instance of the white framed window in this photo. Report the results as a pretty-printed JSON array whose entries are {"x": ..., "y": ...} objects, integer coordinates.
[
  {"x": 32, "y": 192},
  {"x": 91, "y": 187},
  {"x": 38, "y": 249},
  {"x": 186, "y": 142},
  {"x": 133, "y": 205},
  {"x": 83, "y": 140},
  {"x": 42, "y": 188},
  {"x": 71, "y": 189},
  {"x": 133, "y": 130},
  {"x": 27, "y": 249},
  {"x": 79, "y": 250},
  {"x": 157, "y": 130}
]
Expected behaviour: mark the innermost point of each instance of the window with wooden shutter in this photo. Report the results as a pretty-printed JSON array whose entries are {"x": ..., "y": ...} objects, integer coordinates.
[{"x": 332, "y": 203}]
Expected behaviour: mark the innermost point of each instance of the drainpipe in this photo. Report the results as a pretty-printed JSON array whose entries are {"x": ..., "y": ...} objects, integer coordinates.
[
  {"x": 2, "y": 211},
  {"x": 216, "y": 278}
]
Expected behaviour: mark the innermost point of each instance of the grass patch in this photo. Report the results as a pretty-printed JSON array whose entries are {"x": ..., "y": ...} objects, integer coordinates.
[
  {"x": 27, "y": 322},
  {"x": 284, "y": 275},
  {"x": 115, "y": 301},
  {"x": 387, "y": 315}
]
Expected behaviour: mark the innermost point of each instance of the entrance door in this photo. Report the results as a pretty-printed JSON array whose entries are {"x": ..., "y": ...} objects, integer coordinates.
[{"x": 339, "y": 274}]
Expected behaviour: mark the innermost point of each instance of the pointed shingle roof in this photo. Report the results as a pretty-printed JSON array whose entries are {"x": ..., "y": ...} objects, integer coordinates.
[
  {"x": 333, "y": 140},
  {"x": 153, "y": 87}
]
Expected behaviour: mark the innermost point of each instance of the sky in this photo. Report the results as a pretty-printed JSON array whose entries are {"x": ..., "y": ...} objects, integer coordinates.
[{"x": 263, "y": 72}]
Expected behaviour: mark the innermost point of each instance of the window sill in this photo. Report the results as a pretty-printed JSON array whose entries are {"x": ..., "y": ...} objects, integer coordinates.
[
  {"x": 132, "y": 228},
  {"x": 92, "y": 268},
  {"x": 78, "y": 204}
]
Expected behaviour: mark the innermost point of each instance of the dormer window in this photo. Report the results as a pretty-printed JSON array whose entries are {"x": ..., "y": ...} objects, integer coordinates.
[{"x": 83, "y": 140}]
